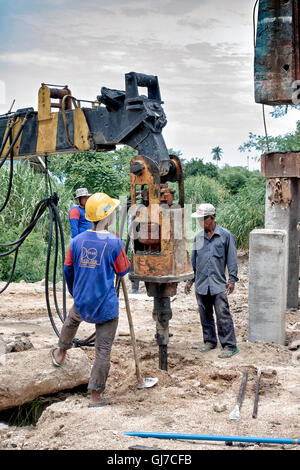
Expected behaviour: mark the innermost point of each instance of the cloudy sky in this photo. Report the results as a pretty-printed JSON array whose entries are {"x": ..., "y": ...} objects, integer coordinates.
[{"x": 201, "y": 51}]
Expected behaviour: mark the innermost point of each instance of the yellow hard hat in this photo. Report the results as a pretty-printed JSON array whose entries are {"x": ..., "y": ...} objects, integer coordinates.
[{"x": 99, "y": 206}]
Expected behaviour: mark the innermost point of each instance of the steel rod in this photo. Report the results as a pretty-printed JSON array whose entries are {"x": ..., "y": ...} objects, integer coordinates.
[{"x": 256, "y": 398}]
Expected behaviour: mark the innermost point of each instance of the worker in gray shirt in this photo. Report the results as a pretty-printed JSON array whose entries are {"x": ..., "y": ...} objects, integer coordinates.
[{"x": 214, "y": 249}]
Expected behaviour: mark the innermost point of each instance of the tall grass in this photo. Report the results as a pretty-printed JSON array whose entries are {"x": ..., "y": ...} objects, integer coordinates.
[
  {"x": 27, "y": 190},
  {"x": 244, "y": 212},
  {"x": 240, "y": 212},
  {"x": 200, "y": 189}
]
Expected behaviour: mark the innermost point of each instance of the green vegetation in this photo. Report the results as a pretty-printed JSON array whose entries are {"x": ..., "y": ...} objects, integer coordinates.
[
  {"x": 27, "y": 190},
  {"x": 106, "y": 172},
  {"x": 237, "y": 193},
  {"x": 244, "y": 211},
  {"x": 282, "y": 143}
]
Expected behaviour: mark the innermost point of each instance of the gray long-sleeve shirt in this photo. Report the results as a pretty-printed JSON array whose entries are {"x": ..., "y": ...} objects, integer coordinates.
[{"x": 210, "y": 256}]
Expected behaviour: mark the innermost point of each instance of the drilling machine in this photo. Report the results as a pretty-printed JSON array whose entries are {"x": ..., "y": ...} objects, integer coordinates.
[{"x": 159, "y": 248}]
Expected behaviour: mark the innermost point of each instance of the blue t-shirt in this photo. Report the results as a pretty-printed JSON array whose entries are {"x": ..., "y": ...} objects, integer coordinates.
[
  {"x": 90, "y": 266},
  {"x": 78, "y": 222}
]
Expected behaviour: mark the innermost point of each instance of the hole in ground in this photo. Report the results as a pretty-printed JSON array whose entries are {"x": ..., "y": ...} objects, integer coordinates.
[{"x": 30, "y": 412}]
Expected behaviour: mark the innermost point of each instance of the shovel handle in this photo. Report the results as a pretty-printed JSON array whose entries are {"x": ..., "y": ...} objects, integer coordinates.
[
  {"x": 132, "y": 335},
  {"x": 256, "y": 398}
]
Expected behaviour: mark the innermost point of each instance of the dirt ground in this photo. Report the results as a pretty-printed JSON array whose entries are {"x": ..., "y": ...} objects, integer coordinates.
[{"x": 195, "y": 396}]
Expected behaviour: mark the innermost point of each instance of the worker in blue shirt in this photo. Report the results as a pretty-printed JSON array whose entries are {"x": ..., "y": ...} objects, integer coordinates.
[
  {"x": 78, "y": 221},
  {"x": 214, "y": 249},
  {"x": 93, "y": 259}
]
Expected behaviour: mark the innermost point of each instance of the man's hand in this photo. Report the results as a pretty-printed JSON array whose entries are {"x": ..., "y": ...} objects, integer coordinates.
[
  {"x": 230, "y": 288},
  {"x": 187, "y": 287}
]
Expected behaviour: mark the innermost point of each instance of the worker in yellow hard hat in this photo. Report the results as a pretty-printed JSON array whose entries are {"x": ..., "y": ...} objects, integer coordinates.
[{"x": 93, "y": 259}]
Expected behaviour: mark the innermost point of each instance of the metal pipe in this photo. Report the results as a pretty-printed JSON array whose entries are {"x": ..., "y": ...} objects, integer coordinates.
[{"x": 207, "y": 437}]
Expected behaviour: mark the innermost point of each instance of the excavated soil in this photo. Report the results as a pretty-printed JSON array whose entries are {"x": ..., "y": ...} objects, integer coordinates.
[{"x": 195, "y": 396}]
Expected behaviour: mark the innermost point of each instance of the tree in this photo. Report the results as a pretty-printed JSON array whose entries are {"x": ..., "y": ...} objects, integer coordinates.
[
  {"x": 217, "y": 154},
  {"x": 106, "y": 172},
  {"x": 282, "y": 110},
  {"x": 281, "y": 143},
  {"x": 196, "y": 166},
  {"x": 201, "y": 188},
  {"x": 235, "y": 177}
]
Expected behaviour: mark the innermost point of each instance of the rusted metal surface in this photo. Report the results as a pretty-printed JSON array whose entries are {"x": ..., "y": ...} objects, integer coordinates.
[
  {"x": 277, "y": 64},
  {"x": 281, "y": 191},
  {"x": 167, "y": 289},
  {"x": 297, "y": 36},
  {"x": 166, "y": 194},
  {"x": 58, "y": 94},
  {"x": 159, "y": 248},
  {"x": 280, "y": 165}
]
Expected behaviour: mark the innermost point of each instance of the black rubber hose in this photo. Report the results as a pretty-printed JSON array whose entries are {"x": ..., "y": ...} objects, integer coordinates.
[
  {"x": 30, "y": 226},
  {"x": 19, "y": 242},
  {"x": 24, "y": 234},
  {"x": 8, "y": 136},
  {"x": 11, "y": 175},
  {"x": 63, "y": 255},
  {"x": 47, "y": 271},
  {"x": 55, "y": 270},
  {"x": 10, "y": 152},
  {"x": 5, "y": 139},
  {"x": 11, "y": 273}
]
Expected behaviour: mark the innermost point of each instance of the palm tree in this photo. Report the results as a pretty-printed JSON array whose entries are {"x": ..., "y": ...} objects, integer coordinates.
[{"x": 216, "y": 153}]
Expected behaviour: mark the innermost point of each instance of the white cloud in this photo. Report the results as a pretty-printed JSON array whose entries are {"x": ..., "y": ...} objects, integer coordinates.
[{"x": 36, "y": 58}]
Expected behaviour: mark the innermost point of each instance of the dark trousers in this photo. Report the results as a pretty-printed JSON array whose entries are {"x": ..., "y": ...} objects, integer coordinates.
[
  {"x": 105, "y": 335},
  {"x": 135, "y": 286},
  {"x": 218, "y": 303}
]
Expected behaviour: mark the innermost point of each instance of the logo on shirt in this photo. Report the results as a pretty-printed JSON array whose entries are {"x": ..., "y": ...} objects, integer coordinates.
[{"x": 91, "y": 253}]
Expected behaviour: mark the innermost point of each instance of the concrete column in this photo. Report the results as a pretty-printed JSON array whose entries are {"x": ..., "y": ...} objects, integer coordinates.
[
  {"x": 268, "y": 260},
  {"x": 282, "y": 213}
]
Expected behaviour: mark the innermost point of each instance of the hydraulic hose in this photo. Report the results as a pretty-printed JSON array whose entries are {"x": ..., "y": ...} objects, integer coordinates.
[
  {"x": 38, "y": 212},
  {"x": 47, "y": 271},
  {"x": 59, "y": 232},
  {"x": 11, "y": 174},
  {"x": 10, "y": 152},
  {"x": 5, "y": 139}
]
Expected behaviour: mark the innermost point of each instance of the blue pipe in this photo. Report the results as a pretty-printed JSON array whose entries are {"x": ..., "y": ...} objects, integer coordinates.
[{"x": 207, "y": 437}]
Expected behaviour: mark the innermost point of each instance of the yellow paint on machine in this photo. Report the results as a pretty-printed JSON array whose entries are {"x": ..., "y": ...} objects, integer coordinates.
[
  {"x": 81, "y": 130},
  {"x": 47, "y": 132},
  {"x": 48, "y": 122}
]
